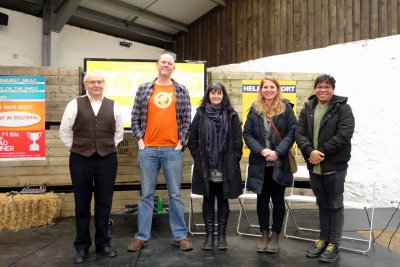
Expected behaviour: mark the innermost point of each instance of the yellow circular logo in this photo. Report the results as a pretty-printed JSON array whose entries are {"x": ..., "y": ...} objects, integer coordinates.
[{"x": 122, "y": 83}]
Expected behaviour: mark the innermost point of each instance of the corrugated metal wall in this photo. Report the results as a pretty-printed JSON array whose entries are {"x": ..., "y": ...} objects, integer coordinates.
[{"x": 250, "y": 29}]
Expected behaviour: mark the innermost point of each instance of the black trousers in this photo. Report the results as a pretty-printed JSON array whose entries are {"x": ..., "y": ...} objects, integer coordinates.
[
  {"x": 328, "y": 190},
  {"x": 276, "y": 192},
  {"x": 92, "y": 175}
]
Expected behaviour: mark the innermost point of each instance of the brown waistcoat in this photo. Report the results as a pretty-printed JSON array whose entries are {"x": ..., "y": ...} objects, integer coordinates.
[{"x": 94, "y": 133}]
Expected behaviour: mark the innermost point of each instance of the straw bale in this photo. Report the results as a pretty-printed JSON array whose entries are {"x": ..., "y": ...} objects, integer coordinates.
[{"x": 23, "y": 211}]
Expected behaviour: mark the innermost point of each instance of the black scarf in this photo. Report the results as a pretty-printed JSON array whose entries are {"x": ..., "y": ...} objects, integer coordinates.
[{"x": 216, "y": 131}]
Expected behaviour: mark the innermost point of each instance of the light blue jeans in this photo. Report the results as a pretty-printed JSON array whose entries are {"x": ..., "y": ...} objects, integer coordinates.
[{"x": 150, "y": 160}]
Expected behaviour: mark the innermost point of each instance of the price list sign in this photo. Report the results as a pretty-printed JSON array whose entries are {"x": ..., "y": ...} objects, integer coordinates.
[{"x": 22, "y": 118}]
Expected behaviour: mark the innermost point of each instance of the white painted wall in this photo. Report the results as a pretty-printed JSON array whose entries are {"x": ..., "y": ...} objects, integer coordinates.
[
  {"x": 367, "y": 72},
  {"x": 21, "y": 44},
  {"x": 21, "y": 40}
]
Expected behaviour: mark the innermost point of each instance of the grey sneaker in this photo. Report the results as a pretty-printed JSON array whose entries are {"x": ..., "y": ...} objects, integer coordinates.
[
  {"x": 330, "y": 254},
  {"x": 320, "y": 246}
]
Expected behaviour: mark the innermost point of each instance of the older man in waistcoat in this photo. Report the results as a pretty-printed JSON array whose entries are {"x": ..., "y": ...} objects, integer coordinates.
[{"x": 92, "y": 127}]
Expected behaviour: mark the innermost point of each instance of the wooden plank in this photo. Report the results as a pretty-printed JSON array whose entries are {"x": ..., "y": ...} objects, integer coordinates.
[
  {"x": 284, "y": 28},
  {"x": 263, "y": 22},
  {"x": 249, "y": 42},
  {"x": 325, "y": 29},
  {"x": 348, "y": 37},
  {"x": 223, "y": 36},
  {"x": 364, "y": 7},
  {"x": 298, "y": 27},
  {"x": 341, "y": 21},
  {"x": 374, "y": 19},
  {"x": 68, "y": 71},
  {"x": 318, "y": 24},
  {"x": 196, "y": 41},
  {"x": 270, "y": 40},
  {"x": 55, "y": 96},
  {"x": 63, "y": 89},
  {"x": 393, "y": 9},
  {"x": 356, "y": 20},
  {"x": 310, "y": 23},
  {"x": 238, "y": 32},
  {"x": 398, "y": 14},
  {"x": 289, "y": 26},
  {"x": 232, "y": 44},
  {"x": 63, "y": 80},
  {"x": 244, "y": 30},
  {"x": 256, "y": 29},
  {"x": 278, "y": 28},
  {"x": 333, "y": 22},
  {"x": 383, "y": 19},
  {"x": 303, "y": 25},
  {"x": 56, "y": 106}
]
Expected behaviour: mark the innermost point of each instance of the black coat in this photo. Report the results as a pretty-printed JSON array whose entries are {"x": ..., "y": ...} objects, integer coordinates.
[
  {"x": 232, "y": 182},
  {"x": 253, "y": 135},
  {"x": 335, "y": 133}
]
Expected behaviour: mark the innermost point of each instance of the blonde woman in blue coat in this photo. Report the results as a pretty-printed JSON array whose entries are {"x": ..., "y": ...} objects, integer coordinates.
[{"x": 269, "y": 172}]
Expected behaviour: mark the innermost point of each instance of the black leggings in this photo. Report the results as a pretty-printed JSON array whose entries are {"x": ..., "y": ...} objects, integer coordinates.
[
  {"x": 276, "y": 192},
  {"x": 215, "y": 192}
]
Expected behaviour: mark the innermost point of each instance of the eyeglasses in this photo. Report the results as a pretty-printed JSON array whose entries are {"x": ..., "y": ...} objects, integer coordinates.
[
  {"x": 94, "y": 82},
  {"x": 326, "y": 87}
]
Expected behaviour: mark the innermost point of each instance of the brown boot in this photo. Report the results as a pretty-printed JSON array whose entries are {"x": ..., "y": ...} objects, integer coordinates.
[
  {"x": 264, "y": 241},
  {"x": 273, "y": 244}
]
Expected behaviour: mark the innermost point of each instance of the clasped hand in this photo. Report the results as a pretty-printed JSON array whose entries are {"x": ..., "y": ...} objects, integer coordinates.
[
  {"x": 269, "y": 155},
  {"x": 316, "y": 157}
]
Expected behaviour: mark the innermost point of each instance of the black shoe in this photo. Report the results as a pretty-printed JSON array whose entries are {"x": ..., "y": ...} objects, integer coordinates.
[
  {"x": 320, "y": 246},
  {"x": 330, "y": 254},
  {"x": 107, "y": 252},
  {"x": 81, "y": 256}
]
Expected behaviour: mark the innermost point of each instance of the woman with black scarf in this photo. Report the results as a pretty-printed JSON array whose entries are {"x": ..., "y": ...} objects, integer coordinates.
[{"x": 215, "y": 143}]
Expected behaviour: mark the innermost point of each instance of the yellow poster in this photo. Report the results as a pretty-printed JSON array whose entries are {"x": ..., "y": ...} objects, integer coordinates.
[
  {"x": 123, "y": 77},
  {"x": 249, "y": 95}
]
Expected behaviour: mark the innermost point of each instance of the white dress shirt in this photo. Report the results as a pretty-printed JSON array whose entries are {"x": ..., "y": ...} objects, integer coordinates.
[{"x": 69, "y": 116}]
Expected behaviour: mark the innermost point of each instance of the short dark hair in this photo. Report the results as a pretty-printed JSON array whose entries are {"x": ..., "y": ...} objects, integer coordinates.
[
  {"x": 216, "y": 86},
  {"x": 325, "y": 78}
]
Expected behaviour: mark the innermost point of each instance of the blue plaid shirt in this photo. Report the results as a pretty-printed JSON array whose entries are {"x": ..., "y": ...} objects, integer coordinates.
[{"x": 139, "y": 110}]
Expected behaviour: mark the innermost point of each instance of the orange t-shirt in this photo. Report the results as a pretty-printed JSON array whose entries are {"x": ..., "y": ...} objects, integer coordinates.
[{"x": 161, "y": 117}]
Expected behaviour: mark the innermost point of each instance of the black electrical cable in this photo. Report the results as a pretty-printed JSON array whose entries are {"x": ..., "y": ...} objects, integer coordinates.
[
  {"x": 397, "y": 228},
  {"x": 391, "y": 218},
  {"x": 52, "y": 240}
]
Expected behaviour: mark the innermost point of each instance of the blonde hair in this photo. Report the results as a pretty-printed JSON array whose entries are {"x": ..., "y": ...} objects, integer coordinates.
[{"x": 277, "y": 107}]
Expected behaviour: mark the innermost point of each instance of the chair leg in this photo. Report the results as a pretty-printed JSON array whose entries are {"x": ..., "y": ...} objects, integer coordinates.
[
  {"x": 192, "y": 223},
  {"x": 242, "y": 212}
]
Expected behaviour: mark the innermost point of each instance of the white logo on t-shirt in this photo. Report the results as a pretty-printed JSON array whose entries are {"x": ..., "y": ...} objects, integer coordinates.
[{"x": 163, "y": 99}]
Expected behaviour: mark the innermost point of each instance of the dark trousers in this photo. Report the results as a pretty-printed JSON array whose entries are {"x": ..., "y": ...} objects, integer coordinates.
[
  {"x": 276, "y": 192},
  {"x": 94, "y": 174},
  {"x": 215, "y": 191},
  {"x": 329, "y": 190}
]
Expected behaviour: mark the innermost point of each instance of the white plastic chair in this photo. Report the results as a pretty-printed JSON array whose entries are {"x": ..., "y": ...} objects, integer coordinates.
[
  {"x": 191, "y": 213},
  {"x": 303, "y": 173},
  {"x": 247, "y": 195}
]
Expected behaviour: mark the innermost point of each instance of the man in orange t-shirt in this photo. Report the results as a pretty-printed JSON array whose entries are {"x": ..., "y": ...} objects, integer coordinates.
[{"x": 160, "y": 124}]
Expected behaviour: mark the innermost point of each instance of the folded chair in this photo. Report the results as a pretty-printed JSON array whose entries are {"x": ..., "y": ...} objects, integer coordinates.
[
  {"x": 191, "y": 213},
  {"x": 247, "y": 195},
  {"x": 192, "y": 224},
  {"x": 303, "y": 173}
]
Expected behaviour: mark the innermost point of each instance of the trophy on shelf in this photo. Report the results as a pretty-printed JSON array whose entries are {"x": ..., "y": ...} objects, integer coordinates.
[{"x": 34, "y": 137}]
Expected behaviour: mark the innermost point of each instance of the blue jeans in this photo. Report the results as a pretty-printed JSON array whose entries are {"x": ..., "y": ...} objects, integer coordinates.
[{"x": 150, "y": 160}]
